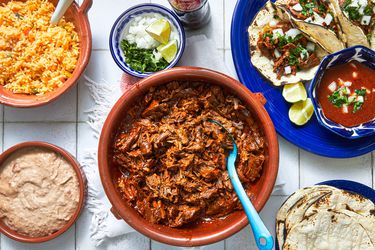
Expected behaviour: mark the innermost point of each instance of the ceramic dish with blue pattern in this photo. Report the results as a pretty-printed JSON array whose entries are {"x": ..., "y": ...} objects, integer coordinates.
[
  {"x": 355, "y": 55},
  {"x": 145, "y": 39}
]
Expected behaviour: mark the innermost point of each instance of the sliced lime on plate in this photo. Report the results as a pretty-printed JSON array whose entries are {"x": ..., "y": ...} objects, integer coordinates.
[
  {"x": 168, "y": 51},
  {"x": 300, "y": 113},
  {"x": 294, "y": 92},
  {"x": 160, "y": 30}
]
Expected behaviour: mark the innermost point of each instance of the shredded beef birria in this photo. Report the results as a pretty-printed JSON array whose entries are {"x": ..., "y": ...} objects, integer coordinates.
[{"x": 173, "y": 160}]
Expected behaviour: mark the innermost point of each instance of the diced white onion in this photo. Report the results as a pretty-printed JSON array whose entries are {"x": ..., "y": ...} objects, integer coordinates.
[
  {"x": 332, "y": 86},
  {"x": 347, "y": 84},
  {"x": 366, "y": 20},
  {"x": 373, "y": 90},
  {"x": 309, "y": 20},
  {"x": 351, "y": 99},
  {"x": 373, "y": 9},
  {"x": 328, "y": 19},
  {"x": 355, "y": 74},
  {"x": 304, "y": 55},
  {"x": 277, "y": 53},
  {"x": 292, "y": 33},
  {"x": 310, "y": 46},
  {"x": 318, "y": 19},
  {"x": 288, "y": 70},
  {"x": 297, "y": 7},
  {"x": 277, "y": 32},
  {"x": 360, "y": 98},
  {"x": 345, "y": 109},
  {"x": 273, "y": 23},
  {"x": 347, "y": 91}
]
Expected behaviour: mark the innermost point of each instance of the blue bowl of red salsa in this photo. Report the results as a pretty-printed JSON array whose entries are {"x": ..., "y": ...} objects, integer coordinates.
[{"x": 343, "y": 92}]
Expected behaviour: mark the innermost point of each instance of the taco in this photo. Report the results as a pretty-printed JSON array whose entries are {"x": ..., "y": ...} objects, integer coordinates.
[
  {"x": 357, "y": 21},
  {"x": 317, "y": 19},
  {"x": 281, "y": 53}
]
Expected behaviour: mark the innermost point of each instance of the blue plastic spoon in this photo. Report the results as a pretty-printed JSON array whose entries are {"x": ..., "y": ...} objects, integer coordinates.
[{"x": 262, "y": 236}]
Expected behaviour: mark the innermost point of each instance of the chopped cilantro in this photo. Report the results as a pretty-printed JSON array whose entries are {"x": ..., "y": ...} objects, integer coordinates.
[
  {"x": 322, "y": 8},
  {"x": 361, "y": 92},
  {"x": 357, "y": 106},
  {"x": 341, "y": 97},
  {"x": 368, "y": 10},
  {"x": 338, "y": 99},
  {"x": 142, "y": 60}
]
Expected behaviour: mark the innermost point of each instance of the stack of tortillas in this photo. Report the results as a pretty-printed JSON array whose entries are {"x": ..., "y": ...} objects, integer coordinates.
[{"x": 324, "y": 217}]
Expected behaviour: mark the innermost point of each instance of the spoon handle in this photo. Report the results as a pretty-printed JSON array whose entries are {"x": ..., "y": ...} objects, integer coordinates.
[
  {"x": 60, "y": 10},
  {"x": 263, "y": 237}
]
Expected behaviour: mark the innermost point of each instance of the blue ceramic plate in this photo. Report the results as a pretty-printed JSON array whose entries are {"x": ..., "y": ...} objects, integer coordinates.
[
  {"x": 311, "y": 137},
  {"x": 350, "y": 186}
]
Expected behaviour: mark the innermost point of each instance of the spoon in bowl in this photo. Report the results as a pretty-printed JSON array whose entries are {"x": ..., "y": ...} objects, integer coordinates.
[
  {"x": 60, "y": 10},
  {"x": 263, "y": 237}
]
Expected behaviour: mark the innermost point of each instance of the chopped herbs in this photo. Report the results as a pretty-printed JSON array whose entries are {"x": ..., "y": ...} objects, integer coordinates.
[
  {"x": 142, "y": 60},
  {"x": 342, "y": 96},
  {"x": 308, "y": 8},
  {"x": 354, "y": 12}
]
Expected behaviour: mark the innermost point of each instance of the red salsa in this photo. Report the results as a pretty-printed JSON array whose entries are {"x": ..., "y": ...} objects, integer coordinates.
[{"x": 347, "y": 94}]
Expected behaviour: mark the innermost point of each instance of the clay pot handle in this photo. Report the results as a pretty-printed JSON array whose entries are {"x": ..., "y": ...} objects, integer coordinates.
[
  {"x": 260, "y": 97},
  {"x": 85, "y": 6},
  {"x": 115, "y": 213}
]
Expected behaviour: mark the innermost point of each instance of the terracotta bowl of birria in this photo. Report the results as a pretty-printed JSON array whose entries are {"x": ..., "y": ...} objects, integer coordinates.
[
  {"x": 4, "y": 229},
  {"x": 201, "y": 233},
  {"x": 78, "y": 16}
]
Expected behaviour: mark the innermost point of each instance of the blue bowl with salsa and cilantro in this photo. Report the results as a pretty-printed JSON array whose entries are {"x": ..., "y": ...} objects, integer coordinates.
[
  {"x": 145, "y": 39},
  {"x": 343, "y": 92}
]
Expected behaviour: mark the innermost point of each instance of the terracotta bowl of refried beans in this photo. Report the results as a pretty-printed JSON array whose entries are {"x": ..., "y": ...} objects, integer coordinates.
[
  {"x": 162, "y": 162},
  {"x": 42, "y": 192}
]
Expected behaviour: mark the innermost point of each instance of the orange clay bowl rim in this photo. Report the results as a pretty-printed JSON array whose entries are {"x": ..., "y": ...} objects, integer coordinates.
[
  {"x": 251, "y": 100},
  {"x": 4, "y": 229},
  {"x": 85, "y": 41}
]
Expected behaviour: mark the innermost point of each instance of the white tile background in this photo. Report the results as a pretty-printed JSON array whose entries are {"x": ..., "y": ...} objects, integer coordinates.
[{"x": 63, "y": 123}]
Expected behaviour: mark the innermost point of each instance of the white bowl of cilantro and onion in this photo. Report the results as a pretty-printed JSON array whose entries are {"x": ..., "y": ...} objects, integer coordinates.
[{"x": 146, "y": 39}]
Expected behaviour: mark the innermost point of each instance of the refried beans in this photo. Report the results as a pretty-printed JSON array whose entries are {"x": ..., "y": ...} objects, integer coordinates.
[
  {"x": 39, "y": 192},
  {"x": 171, "y": 159}
]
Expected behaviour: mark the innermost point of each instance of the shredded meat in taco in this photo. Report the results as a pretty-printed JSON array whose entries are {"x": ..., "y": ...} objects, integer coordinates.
[
  {"x": 313, "y": 11},
  {"x": 289, "y": 50},
  {"x": 360, "y": 12}
]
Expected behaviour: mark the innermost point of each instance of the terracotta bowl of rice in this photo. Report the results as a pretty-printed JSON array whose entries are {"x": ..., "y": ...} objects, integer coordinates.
[{"x": 40, "y": 61}]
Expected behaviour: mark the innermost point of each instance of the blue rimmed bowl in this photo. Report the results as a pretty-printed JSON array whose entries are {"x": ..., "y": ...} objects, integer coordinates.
[
  {"x": 355, "y": 53},
  {"x": 121, "y": 25}
]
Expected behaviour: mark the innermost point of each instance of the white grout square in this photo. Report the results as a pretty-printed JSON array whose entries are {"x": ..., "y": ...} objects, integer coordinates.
[
  {"x": 315, "y": 169},
  {"x": 101, "y": 68},
  {"x": 288, "y": 168},
  {"x": 62, "y": 109},
  {"x": 245, "y": 239},
  {"x": 229, "y": 6},
  {"x": 60, "y": 134}
]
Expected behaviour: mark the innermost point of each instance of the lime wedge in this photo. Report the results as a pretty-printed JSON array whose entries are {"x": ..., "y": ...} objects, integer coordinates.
[
  {"x": 160, "y": 30},
  {"x": 294, "y": 92},
  {"x": 301, "y": 112},
  {"x": 168, "y": 51}
]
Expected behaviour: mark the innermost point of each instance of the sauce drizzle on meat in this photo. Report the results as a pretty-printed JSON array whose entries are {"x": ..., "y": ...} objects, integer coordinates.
[{"x": 173, "y": 161}]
